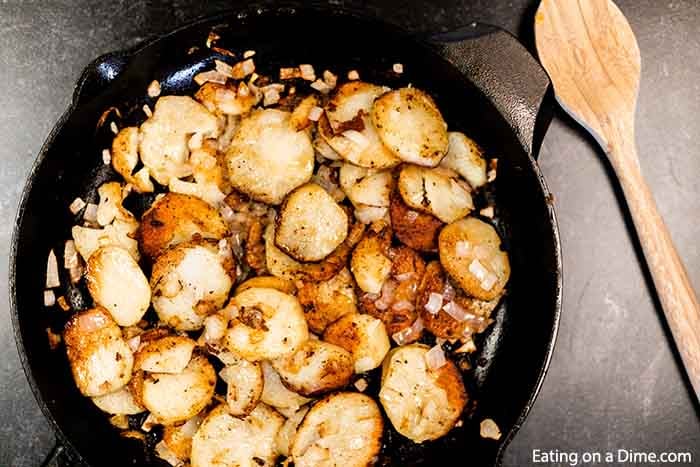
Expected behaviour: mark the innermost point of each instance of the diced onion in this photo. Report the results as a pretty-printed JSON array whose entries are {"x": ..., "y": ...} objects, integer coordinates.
[
  {"x": 315, "y": 113},
  {"x": 361, "y": 384},
  {"x": 487, "y": 212},
  {"x": 242, "y": 69},
  {"x": 134, "y": 343},
  {"x": 153, "y": 89},
  {"x": 70, "y": 255},
  {"x": 224, "y": 68},
  {"x": 462, "y": 248},
  {"x": 211, "y": 76},
  {"x": 403, "y": 305},
  {"x": 76, "y": 273},
  {"x": 52, "y": 279},
  {"x": 435, "y": 358},
  {"x": 49, "y": 298},
  {"x": 76, "y": 205},
  {"x": 434, "y": 303},
  {"x": 369, "y": 214},
  {"x": 411, "y": 216},
  {"x": 448, "y": 292},
  {"x": 456, "y": 311},
  {"x": 307, "y": 72},
  {"x": 214, "y": 328},
  {"x": 356, "y": 137},
  {"x": 478, "y": 269},
  {"x": 227, "y": 214},
  {"x": 113, "y": 126},
  {"x": 489, "y": 281},
  {"x": 330, "y": 79},
  {"x": 270, "y": 96},
  {"x": 147, "y": 110},
  {"x": 387, "y": 295},
  {"x": 248, "y": 53},
  {"x": 489, "y": 429},
  {"x": 409, "y": 334},
  {"x": 321, "y": 86},
  {"x": 90, "y": 214},
  {"x": 398, "y": 68},
  {"x": 353, "y": 75},
  {"x": 106, "y": 157}
]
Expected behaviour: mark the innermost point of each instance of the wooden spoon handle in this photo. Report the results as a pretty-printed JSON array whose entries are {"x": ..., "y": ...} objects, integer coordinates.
[{"x": 678, "y": 299}]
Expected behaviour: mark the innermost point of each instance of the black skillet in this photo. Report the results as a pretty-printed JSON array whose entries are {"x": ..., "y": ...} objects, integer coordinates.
[{"x": 485, "y": 83}]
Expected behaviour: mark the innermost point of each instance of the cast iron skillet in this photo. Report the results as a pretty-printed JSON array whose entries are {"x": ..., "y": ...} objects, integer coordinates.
[{"x": 485, "y": 83}]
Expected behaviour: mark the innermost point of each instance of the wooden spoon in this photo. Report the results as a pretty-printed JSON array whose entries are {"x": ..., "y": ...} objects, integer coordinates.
[{"x": 592, "y": 57}]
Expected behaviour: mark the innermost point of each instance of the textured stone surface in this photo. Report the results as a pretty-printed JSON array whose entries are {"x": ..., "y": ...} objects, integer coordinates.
[{"x": 614, "y": 383}]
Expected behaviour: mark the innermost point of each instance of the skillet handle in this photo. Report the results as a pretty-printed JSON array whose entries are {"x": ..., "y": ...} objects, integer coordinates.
[
  {"x": 58, "y": 457},
  {"x": 508, "y": 75}
]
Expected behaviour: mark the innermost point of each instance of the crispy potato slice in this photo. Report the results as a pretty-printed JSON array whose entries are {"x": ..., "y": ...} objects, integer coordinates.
[
  {"x": 436, "y": 192},
  {"x": 343, "y": 429},
  {"x": 311, "y": 224},
  {"x": 100, "y": 359},
  {"x": 470, "y": 252},
  {"x": 315, "y": 368},
  {"x": 348, "y": 129},
  {"x": 116, "y": 282},
  {"x": 285, "y": 437},
  {"x": 176, "y": 444},
  {"x": 278, "y": 263},
  {"x": 413, "y": 228},
  {"x": 370, "y": 263},
  {"x": 466, "y": 158},
  {"x": 125, "y": 157},
  {"x": 326, "y": 301},
  {"x": 119, "y": 233},
  {"x": 275, "y": 393},
  {"x": 245, "y": 385},
  {"x": 119, "y": 402},
  {"x": 190, "y": 281},
  {"x": 268, "y": 158},
  {"x": 176, "y": 218},
  {"x": 363, "y": 336},
  {"x": 223, "y": 440},
  {"x": 269, "y": 324},
  {"x": 422, "y": 404},
  {"x": 169, "y": 354},
  {"x": 226, "y": 99},
  {"x": 268, "y": 282},
  {"x": 410, "y": 125},
  {"x": 164, "y": 136},
  {"x": 365, "y": 186},
  {"x": 173, "y": 398}
]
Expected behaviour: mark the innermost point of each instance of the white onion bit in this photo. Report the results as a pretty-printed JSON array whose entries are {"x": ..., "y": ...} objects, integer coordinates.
[
  {"x": 321, "y": 86},
  {"x": 224, "y": 68},
  {"x": 154, "y": 89},
  {"x": 49, "y": 298},
  {"x": 434, "y": 303},
  {"x": 411, "y": 216},
  {"x": 147, "y": 110},
  {"x": 478, "y": 269},
  {"x": 456, "y": 311},
  {"x": 106, "y": 157},
  {"x": 248, "y": 53},
  {"x": 462, "y": 248},
  {"x": 315, "y": 114},
  {"x": 356, "y": 137},
  {"x": 211, "y": 76},
  {"x": 489, "y": 429},
  {"x": 361, "y": 384},
  {"x": 134, "y": 343},
  {"x": 70, "y": 255},
  {"x": 76, "y": 205},
  {"x": 398, "y": 68},
  {"x": 52, "y": 279},
  {"x": 409, "y": 334},
  {"x": 353, "y": 75},
  {"x": 435, "y": 358},
  {"x": 487, "y": 212},
  {"x": 90, "y": 214},
  {"x": 307, "y": 72},
  {"x": 114, "y": 128}
]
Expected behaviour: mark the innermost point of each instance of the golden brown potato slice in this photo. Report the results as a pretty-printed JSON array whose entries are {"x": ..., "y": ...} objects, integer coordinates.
[
  {"x": 268, "y": 282},
  {"x": 422, "y": 404},
  {"x": 176, "y": 445},
  {"x": 370, "y": 263},
  {"x": 410, "y": 125},
  {"x": 191, "y": 281},
  {"x": 343, "y": 429},
  {"x": 269, "y": 324},
  {"x": 223, "y": 440},
  {"x": 470, "y": 252},
  {"x": 164, "y": 136},
  {"x": 278, "y": 263},
  {"x": 169, "y": 354},
  {"x": 466, "y": 158},
  {"x": 116, "y": 282},
  {"x": 315, "y": 368},
  {"x": 310, "y": 224},
  {"x": 435, "y": 191},
  {"x": 125, "y": 156},
  {"x": 100, "y": 359},
  {"x": 268, "y": 158},
  {"x": 363, "y": 336},
  {"x": 366, "y": 186},
  {"x": 413, "y": 228},
  {"x": 245, "y": 385},
  {"x": 348, "y": 129},
  {"x": 275, "y": 393},
  {"x": 227, "y": 100},
  {"x": 176, "y": 218},
  {"x": 173, "y": 398},
  {"x": 326, "y": 301},
  {"x": 119, "y": 402}
]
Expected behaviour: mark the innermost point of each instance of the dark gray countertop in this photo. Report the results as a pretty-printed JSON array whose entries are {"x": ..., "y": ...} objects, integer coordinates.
[{"x": 614, "y": 383}]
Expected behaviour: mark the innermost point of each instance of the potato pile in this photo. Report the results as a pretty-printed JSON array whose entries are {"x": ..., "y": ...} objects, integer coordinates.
[{"x": 296, "y": 243}]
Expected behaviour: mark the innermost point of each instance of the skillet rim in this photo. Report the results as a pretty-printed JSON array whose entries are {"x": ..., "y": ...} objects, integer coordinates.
[{"x": 239, "y": 14}]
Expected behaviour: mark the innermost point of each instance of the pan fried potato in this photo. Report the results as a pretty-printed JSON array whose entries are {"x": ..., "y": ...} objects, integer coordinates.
[
  {"x": 164, "y": 136},
  {"x": 173, "y": 398},
  {"x": 223, "y": 440},
  {"x": 422, "y": 404},
  {"x": 228, "y": 100},
  {"x": 363, "y": 336},
  {"x": 278, "y": 263},
  {"x": 177, "y": 440},
  {"x": 365, "y": 186},
  {"x": 269, "y": 324},
  {"x": 310, "y": 224},
  {"x": 466, "y": 158},
  {"x": 125, "y": 157},
  {"x": 119, "y": 402},
  {"x": 210, "y": 181},
  {"x": 189, "y": 282},
  {"x": 268, "y": 158},
  {"x": 285, "y": 437},
  {"x": 169, "y": 354},
  {"x": 343, "y": 429},
  {"x": 176, "y": 218},
  {"x": 116, "y": 282},
  {"x": 100, "y": 359},
  {"x": 470, "y": 252},
  {"x": 275, "y": 393},
  {"x": 410, "y": 125},
  {"x": 317, "y": 367},
  {"x": 415, "y": 229},
  {"x": 370, "y": 263},
  {"x": 436, "y": 192},
  {"x": 326, "y": 301},
  {"x": 348, "y": 129},
  {"x": 119, "y": 233},
  {"x": 268, "y": 282},
  {"x": 245, "y": 385}
]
